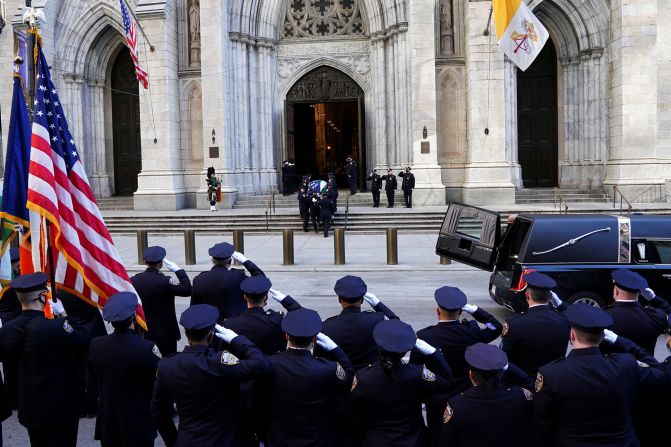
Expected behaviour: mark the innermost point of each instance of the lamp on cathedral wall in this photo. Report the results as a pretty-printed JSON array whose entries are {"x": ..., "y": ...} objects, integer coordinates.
[
  {"x": 425, "y": 133},
  {"x": 214, "y": 136}
]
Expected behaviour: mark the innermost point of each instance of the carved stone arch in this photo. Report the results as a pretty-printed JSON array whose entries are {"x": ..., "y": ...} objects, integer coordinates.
[{"x": 319, "y": 62}]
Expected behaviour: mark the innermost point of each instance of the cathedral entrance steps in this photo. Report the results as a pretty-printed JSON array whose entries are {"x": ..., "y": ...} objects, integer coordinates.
[
  {"x": 120, "y": 203},
  {"x": 361, "y": 199},
  {"x": 547, "y": 195}
]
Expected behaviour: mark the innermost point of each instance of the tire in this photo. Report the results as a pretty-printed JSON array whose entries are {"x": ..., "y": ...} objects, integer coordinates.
[{"x": 589, "y": 298}]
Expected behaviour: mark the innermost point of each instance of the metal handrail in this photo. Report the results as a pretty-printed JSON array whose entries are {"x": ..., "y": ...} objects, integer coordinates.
[
  {"x": 562, "y": 201},
  {"x": 346, "y": 210},
  {"x": 616, "y": 191},
  {"x": 659, "y": 194}
]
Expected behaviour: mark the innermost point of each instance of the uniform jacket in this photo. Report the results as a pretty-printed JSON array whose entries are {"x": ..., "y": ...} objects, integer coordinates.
[
  {"x": 298, "y": 399},
  {"x": 157, "y": 293},
  {"x": 263, "y": 327},
  {"x": 390, "y": 182},
  {"x": 205, "y": 386},
  {"x": 585, "y": 399},
  {"x": 332, "y": 193},
  {"x": 326, "y": 208},
  {"x": 375, "y": 182},
  {"x": 387, "y": 403},
  {"x": 85, "y": 316},
  {"x": 9, "y": 303},
  {"x": 352, "y": 330},
  {"x": 535, "y": 338},
  {"x": 48, "y": 387},
  {"x": 640, "y": 324},
  {"x": 351, "y": 169},
  {"x": 220, "y": 287},
  {"x": 287, "y": 173},
  {"x": 453, "y": 337},
  {"x": 125, "y": 368},
  {"x": 303, "y": 202},
  {"x": 408, "y": 181},
  {"x": 479, "y": 418}
]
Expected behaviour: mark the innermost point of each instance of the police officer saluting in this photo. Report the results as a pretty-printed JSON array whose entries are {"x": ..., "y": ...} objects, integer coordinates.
[
  {"x": 375, "y": 187},
  {"x": 220, "y": 286},
  {"x": 157, "y": 292},
  {"x": 488, "y": 413},
  {"x": 407, "y": 186},
  {"x": 390, "y": 186},
  {"x": 125, "y": 367},
  {"x": 541, "y": 334},
  {"x": 298, "y": 399},
  {"x": 205, "y": 384},
  {"x": 47, "y": 385},
  {"x": 352, "y": 171}
]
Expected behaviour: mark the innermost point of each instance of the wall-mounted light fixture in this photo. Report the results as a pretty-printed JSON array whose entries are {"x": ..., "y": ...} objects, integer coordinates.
[
  {"x": 425, "y": 133},
  {"x": 214, "y": 136}
]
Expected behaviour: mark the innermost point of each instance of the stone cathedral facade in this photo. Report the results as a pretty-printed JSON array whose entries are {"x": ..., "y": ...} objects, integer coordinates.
[{"x": 242, "y": 85}]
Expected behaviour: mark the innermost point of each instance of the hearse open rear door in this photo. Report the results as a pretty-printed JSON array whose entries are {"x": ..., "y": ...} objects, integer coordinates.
[{"x": 470, "y": 235}]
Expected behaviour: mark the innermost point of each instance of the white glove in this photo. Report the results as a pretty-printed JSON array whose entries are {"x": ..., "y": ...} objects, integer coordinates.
[
  {"x": 170, "y": 265},
  {"x": 648, "y": 294},
  {"x": 277, "y": 295},
  {"x": 57, "y": 307},
  {"x": 371, "y": 299},
  {"x": 325, "y": 342},
  {"x": 470, "y": 308},
  {"x": 609, "y": 336},
  {"x": 224, "y": 334},
  {"x": 423, "y": 347},
  {"x": 237, "y": 256},
  {"x": 555, "y": 300}
]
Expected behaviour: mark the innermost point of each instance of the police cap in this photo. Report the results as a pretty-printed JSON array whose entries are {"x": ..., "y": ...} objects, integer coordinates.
[
  {"x": 221, "y": 250},
  {"x": 537, "y": 280},
  {"x": 394, "y": 336},
  {"x": 199, "y": 316},
  {"x": 629, "y": 281},
  {"x": 486, "y": 357},
  {"x": 120, "y": 306},
  {"x": 153, "y": 255},
  {"x": 255, "y": 285},
  {"x": 302, "y": 322},
  {"x": 350, "y": 287},
  {"x": 450, "y": 298},
  {"x": 14, "y": 255},
  {"x": 30, "y": 282},
  {"x": 588, "y": 318}
]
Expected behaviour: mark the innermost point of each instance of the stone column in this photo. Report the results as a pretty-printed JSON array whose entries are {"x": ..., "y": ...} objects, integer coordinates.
[
  {"x": 488, "y": 172},
  {"x": 95, "y": 160},
  {"x": 379, "y": 142},
  {"x": 664, "y": 90},
  {"x": 422, "y": 62},
  {"x": 633, "y": 165}
]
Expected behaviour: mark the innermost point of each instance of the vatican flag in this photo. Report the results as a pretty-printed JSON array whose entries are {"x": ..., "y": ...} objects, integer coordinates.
[{"x": 519, "y": 33}]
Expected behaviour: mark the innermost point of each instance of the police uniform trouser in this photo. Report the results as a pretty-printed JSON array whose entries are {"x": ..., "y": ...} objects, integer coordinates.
[
  {"x": 352, "y": 184},
  {"x": 407, "y": 196},
  {"x": 166, "y": 347},
  {"x": 63, "y": 436},
  {"x": 390, "y": 197},
  {"x": 326, "y": 222},
  {"x": 376, "y": 197}
]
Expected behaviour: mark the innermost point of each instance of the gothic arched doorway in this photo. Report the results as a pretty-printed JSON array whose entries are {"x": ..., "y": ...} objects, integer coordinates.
[
  {"x": 126, "y": 125},
  {"x": 325, "y": 124},
  {"x": 537, "y": 120}
]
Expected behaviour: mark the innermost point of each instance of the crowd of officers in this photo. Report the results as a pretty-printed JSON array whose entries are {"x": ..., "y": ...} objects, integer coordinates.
[{"x": 252, "y": 376}]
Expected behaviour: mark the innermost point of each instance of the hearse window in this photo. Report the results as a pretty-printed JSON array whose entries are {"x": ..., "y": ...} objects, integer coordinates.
[
  {"x": 512, "y": 243},
  {"x": 663, "y": 249},
  {"x": 469, "y": 225}
]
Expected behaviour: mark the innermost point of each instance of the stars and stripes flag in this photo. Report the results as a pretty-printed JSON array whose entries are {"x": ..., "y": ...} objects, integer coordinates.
[
  {"x": 131, "y": 40},
  {"x": 87, "y": 262}
]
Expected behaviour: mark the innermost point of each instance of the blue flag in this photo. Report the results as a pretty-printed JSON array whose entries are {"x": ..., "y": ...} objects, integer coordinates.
[{"x": 14, "y": 191}]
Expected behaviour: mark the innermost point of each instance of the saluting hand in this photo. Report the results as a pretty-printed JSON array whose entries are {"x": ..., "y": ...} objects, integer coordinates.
[
  {"x": 277, "y": 295},
  {"x": 170, "y": 265},
  {"x": 423, "y": 347},
  {"x": 555, "y": 300},
  {"x": 325, "y": 342},
  {"x": 371, "y": 299},
  {"x": 224, "y": 334},
  {"x": 237, "y": 256},
  {"x": 470, "y": 308},
  {"x": 648, "y": 294},
  {"x": 609, "y": 336}
]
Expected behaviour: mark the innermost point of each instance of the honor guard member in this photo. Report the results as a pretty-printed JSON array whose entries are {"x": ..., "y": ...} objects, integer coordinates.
[
  {"x": 642, "y": 324},
  {"x": 452, "y": 337},
  {"x": 352, "y": 171},
  {"x": 488, "y": 413},
  {"x": 387, "y": 396},
  {"x": 326, "y": 210},
  {"x": 204, "y": 384},
  {"x": 157, "y": 292},
  {"x": 262, "y": 326},
  {"x": 585, "y": 399},
  {"x": 288, "y": 184},
  {"x": 390, "y": 186},
  {"x": 305, "y": 182},
  {"x": 541, "y": 334},
  {"x": 303, "y": 207},
  {"x": 375, "y": 187},
  {"x": 125, "y": 368},
  {"x": 298, "y": 399},
  {"x": 407, "y": 186},
  {"x": 220, "y": 286},
  {"x": 352, "y": 329},
  {"x": 213, "y": 185},
  {"x": 48, "y": 390}
]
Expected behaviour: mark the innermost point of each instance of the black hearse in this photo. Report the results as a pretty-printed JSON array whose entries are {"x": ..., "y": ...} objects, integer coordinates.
[{"x": 578, "y": 250}]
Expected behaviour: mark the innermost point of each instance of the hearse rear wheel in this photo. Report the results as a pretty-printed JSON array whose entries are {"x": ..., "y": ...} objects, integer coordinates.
[{"x": 589, "y": 298}]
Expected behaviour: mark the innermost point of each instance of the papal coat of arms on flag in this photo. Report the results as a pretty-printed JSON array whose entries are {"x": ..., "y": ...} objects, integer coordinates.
[{"x": 519, "y": 34}]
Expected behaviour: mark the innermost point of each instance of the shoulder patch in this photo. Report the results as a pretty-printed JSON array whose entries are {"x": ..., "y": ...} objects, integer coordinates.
[
  {"x": 428, "y": 375},
  {"x": 506, "y": 328},
  {"x": 340, "y": 372},
  {"x": 539, "y": 381},
  {"x": 173, "y": 281},
  {"x": 156, "y": 352},
  {"x": 527, "y": 394},
  {"x": 229, "y": 359},
  {"x": 66, "y": 327},
  {"x": 447, "y": 415},
  {"x": 355, "y": 383}
]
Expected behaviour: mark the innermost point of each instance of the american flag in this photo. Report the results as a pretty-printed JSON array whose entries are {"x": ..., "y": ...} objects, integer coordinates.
[
  {"x": 131, "y": 40},
  {"x": 88, "y": 263}
]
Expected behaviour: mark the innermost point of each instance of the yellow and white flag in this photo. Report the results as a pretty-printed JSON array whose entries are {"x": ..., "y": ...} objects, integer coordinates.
[{"x": 519, "y": 33}]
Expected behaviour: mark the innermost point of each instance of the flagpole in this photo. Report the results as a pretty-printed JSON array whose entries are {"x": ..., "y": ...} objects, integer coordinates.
[{"x": 137, "y": 22}]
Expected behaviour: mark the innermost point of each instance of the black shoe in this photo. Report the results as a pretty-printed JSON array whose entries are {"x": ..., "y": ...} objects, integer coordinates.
[
  {"x": 306, "y": 230},
  {"x": 326, "y": 235}
]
